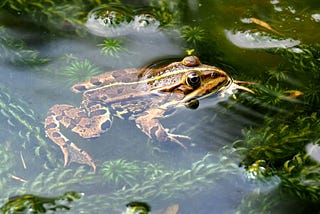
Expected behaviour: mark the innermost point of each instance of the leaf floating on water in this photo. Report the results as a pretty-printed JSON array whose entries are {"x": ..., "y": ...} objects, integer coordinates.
[
  {"x": 293, "y": 93},
  {"x": 263, "y": 24}
]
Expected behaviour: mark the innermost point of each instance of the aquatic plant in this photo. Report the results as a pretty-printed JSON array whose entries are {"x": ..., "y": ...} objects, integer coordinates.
[
  {"x": 15, "y": 51},
  {"x": 36, "y": 204},
  {"x": 79, "y": 70},
  {"x": 275, "y": 149},
  {"x": 167, "y": 12},
  {"x": 278, "y": 147},
  {"x": 52, "y": 181},
  {"x": 198, "y": 41},
  {"x": 59, "y": 16},
  {"x": 170, "y": 185},
  {"x": 59, "y": 179},
  {"x": 193, "y": 34},
  {"x": 6, "y": 163},
  {"x": 15, "y": 114},
  {"x": 113, "y": 47},
  {"x": 287, "y": 85},
  {"x": 303, "y": 59},
  {"x": 258, "y": 201},
  {"x": 120, "y": 172}
]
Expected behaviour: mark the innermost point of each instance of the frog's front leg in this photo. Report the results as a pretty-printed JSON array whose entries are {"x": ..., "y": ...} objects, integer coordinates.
[
  {"x": 87, "y": 125},
  {"x": 148, "y": 122}
]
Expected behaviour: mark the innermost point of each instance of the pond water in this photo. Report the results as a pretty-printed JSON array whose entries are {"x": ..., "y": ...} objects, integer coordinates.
[{"x": 248, "y": 153}]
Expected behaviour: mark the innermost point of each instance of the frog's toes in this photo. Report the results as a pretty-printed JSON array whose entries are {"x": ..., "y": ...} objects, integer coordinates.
[
  {"x": 77, "y": 155},
  {"x": 176, "y": 139}
]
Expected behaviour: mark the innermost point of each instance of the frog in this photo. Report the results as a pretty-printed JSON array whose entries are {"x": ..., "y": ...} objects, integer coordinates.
[{"x": 144, "y": 96}]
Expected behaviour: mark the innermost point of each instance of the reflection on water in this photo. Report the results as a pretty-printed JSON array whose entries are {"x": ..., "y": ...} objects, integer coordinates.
[
  {"x": 47, "y": 47},
  {"x": 256, "y": 40},
  {"x": 109, "y": 22},
  {"x": 314, "y": 151}
]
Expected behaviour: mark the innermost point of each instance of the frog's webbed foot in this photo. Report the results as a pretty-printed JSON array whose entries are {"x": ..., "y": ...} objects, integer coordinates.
[
  {"x": 177, "y": 139},
  {"x": 151, "y": 126},
  {"x": 77, "y": 155},
  {"x": 72, "y": 117},
  {"x": 70, "y": 151}
]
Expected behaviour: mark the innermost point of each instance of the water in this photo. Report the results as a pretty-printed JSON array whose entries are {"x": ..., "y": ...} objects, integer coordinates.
[{"x": 248, "y": 154}]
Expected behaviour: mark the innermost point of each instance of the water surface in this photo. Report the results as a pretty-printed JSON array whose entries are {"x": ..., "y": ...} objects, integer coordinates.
[{"x": 247, "y": 153}]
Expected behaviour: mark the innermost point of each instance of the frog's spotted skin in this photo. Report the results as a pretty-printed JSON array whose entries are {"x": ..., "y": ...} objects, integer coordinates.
[
  {"x": 145, "y": 96},
  {"x": 126, "y": 75},
  {"x": 77, "y": 120}
]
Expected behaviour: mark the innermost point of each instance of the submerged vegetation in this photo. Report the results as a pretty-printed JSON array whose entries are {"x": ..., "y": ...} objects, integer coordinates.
[
  {"x": 14, "y": 50},
  {"x": 278, "y": 148},
  {"x": 272, "y": 153},
  {"x": 35, "y": 204},
  {"x": 79, "y": 71},
  {"x": 112, "y": 47}
]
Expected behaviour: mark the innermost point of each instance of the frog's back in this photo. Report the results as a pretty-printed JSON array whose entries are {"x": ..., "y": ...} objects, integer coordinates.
[{"x": 112, "y": 77}]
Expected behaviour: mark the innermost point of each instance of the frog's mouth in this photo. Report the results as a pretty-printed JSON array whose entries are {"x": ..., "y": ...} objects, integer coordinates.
[
  {"x": 233, "y": 86},
  {"x": 218, "y": 88},
  {"x": 192, "y": 101}
]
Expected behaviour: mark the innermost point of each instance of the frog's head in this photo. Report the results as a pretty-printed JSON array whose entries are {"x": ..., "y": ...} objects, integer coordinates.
[
  {"x": 208, "y": 80},
  {"x": 193, "y": 80}
]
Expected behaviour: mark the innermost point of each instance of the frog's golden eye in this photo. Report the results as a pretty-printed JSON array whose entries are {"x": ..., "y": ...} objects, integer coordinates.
[{"x": 193, "y": 80}]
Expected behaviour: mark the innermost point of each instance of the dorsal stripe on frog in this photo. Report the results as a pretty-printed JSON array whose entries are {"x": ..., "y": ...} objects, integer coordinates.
[
  {"x": 87, "y": 86},
  {"x": 130, "y": 75},
  {"x": 106, "y": 78}
]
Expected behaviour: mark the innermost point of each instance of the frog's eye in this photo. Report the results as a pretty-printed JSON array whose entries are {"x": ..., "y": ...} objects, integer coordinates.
[{"x": 193, "y": 80}]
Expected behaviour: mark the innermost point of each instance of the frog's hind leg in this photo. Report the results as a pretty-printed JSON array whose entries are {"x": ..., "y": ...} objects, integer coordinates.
[{"x": 79, "y": 122}]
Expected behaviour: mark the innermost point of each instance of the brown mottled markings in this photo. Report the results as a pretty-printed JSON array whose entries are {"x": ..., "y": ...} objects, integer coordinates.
[
  {"x": 75, "y": 120},
  {"x": 51, "y": 125},
  {"x": 81, "y": 114},
  {"x": 153, "y": 132},
  {"x": 56, "y": 134},
  {"x": 80, "y": 88},
  {"x": 126, "y": 79},
  {"x": 116, "y": 75},
  {"x": 98, "y": 112},
  {"x": 106, "y": 125},
  {"x": 96, "y": 83},
  {"x": 134, "y": 86}
]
